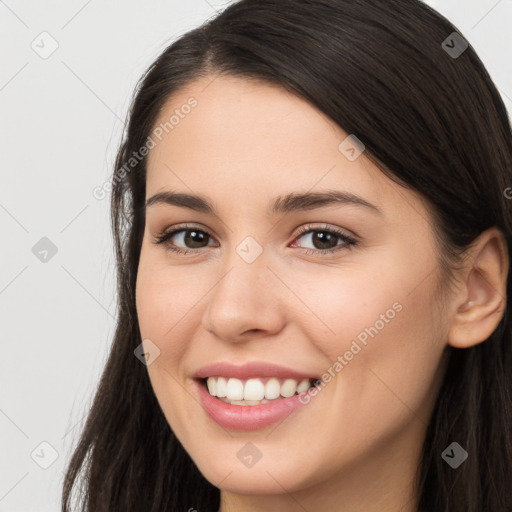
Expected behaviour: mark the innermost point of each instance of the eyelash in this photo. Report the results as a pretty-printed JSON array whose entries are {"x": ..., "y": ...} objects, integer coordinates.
[{"x": 349, "y": 242}]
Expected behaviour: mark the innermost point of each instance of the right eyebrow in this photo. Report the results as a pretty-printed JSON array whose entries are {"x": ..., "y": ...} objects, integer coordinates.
[{"x": 190, "y": 201}]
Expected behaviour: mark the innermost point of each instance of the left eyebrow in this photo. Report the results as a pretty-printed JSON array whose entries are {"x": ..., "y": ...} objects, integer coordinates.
[
  {"x": 311, "y": 200},
  {"x": 281, "y": 205}
]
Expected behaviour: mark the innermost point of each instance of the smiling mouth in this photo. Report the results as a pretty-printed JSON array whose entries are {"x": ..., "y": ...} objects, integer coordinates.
[{"x": 255, "y": 391}]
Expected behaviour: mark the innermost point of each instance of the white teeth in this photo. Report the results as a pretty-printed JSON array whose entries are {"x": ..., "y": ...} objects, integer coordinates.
[
  {"x": 235, "y": 389},
  {"x": 212, "y": 385},
  {"x": 303, "y": 386},
  {"x": 289, "y": 387},
  {"x": 221, "y": 389},
  {"x": 254, "y": 391},
  {"x": 272, "y": 389}
]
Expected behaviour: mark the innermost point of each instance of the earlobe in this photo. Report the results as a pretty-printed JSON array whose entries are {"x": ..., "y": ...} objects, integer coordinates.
[{"x": 483, "y": 294}]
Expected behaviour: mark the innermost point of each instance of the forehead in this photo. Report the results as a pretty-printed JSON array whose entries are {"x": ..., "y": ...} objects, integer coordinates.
[{"x": 253, "y": 140}]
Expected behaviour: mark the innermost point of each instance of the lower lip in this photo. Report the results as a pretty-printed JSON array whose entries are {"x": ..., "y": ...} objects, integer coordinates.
[{"x": 247, "y": 417}]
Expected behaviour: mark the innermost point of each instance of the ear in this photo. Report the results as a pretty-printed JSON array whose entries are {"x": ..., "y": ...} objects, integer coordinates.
[{"x": 481, "y": 300}]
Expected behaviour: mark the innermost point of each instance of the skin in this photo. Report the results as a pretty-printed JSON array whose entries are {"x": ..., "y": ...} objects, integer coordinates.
[{"x": 356, "y": 445}]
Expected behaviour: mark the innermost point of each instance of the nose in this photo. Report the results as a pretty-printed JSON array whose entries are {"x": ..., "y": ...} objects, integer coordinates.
[{"x": 246, "y": 302}]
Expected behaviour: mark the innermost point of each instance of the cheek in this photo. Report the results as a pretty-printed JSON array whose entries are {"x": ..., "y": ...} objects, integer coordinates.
[
  {"x": 382, "y": 327},
  {"x": 341, "y": 303},
  {"x": 368, "y": 295},
  {"x": 165, "y": 300}
]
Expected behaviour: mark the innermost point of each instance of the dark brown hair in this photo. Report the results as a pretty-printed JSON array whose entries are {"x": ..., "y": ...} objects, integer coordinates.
[{"x": 432, "y": 121}]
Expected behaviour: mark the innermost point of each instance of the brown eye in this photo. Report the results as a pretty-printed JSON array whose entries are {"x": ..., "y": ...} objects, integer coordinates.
[
  {"x": 325, "y": 239},
  {"x": 184, "y": 239}
]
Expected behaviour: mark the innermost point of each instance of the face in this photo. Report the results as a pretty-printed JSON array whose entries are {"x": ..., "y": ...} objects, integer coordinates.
[{"x": 341, "y": 291}]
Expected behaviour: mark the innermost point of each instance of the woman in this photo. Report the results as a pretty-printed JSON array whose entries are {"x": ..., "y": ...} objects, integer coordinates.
[{"x": 312, "y": 231}]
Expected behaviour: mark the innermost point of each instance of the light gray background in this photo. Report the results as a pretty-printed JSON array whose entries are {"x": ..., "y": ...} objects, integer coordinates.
[{"x": 61, "y": 121}]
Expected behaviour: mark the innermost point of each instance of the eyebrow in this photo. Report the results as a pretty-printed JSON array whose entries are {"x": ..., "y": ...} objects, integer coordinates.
[{"x": 282, "y": 204}]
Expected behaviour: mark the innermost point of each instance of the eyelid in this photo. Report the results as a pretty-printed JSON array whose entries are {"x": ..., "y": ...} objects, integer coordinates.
[
  {"x": 325, "y": 227},
  {"x": 302, "y": 230}
]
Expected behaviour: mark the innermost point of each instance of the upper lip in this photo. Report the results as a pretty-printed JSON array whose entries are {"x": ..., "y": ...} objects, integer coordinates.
[{"x": 250, "y": 370}]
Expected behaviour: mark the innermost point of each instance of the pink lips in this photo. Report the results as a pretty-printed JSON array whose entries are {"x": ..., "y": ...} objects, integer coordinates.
[
  {"x": 248, "y": 417},
  {"x": 250, "y": 370}
]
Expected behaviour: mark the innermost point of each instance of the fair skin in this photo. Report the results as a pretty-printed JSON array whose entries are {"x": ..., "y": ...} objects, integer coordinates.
[{"x": 355, "y": 447}]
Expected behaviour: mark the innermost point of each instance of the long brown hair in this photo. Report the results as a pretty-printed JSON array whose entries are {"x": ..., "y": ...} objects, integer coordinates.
[{"x": 431, "y": 120}]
